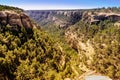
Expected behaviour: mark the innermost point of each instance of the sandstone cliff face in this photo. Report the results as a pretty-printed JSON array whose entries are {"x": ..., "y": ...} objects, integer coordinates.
[
  {"x": 15, "y": 19},
  {"x": 64, "y": 18},
  {"x": 104, "y": 16}
]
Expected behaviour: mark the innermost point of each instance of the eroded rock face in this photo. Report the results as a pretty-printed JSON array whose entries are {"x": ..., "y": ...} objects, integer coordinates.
[
  {"x": 26, "y": 22},
  {"x": 15, "y": 19},
  {"x": 61, "y": 18},
  {"x": 65, "y": 18},
  {"x": 3, "y": 18},
  {"x": 96, "y": 18}
]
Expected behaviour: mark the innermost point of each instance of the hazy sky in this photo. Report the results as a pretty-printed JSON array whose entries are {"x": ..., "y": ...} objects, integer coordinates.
[{"x": 60, "y": 4}]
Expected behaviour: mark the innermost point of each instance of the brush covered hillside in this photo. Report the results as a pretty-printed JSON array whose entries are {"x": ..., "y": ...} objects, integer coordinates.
[
  {"x": 30, "y": 53},
  {"x": 94, "y": 35},
  {"x": 98, "y": 47}
]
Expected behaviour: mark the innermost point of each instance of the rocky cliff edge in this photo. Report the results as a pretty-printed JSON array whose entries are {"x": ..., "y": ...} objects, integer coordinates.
[{"x": 15, "y": 19}]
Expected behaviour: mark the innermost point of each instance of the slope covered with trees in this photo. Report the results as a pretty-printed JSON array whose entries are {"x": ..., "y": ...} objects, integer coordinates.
[
  {"x": 29, "y": 53},
  {"x": 105, "y": 39},
  {"x": 97, "y": 45},
  {"x": 32, "y": 54}
]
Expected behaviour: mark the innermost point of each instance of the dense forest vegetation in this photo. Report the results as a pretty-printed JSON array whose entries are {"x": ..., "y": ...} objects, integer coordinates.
[
  {"x": 31, "y": 54},
  {"x": 104, "y": 37}
]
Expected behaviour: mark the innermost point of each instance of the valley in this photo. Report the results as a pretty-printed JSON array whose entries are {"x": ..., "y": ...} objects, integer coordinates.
[
  {"x": 93, "y": 34},
  {"x": 59, "y": 44}
]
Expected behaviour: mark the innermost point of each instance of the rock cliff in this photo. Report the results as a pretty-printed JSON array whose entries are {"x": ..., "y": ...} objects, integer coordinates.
[
  {"x": 96, "y": 18},
  {"x": 15, "y": 19},
  {"x": 64, "y": 18}
]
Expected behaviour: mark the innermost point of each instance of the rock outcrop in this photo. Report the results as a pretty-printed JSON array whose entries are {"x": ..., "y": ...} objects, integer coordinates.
[
  {"x": 15, "y": 19},
  {"x": 104, "y": 16}
]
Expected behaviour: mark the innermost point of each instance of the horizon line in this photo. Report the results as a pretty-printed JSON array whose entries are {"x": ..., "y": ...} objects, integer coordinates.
[{"x": 60, "y": 7}]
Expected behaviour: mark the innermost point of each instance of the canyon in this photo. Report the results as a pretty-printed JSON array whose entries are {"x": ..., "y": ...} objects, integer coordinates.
[
  {"x": 65, "y": 18},
  {"x": 76, "y": 45}
]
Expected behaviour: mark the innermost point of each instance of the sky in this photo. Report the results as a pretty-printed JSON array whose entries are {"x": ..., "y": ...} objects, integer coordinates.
[{"x": 60, "y": 4}]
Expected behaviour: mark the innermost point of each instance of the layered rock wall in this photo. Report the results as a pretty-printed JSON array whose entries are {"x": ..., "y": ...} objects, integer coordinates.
[
  {"x": 69, "y": 17},
  {"x": 15, "y": 19}
]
